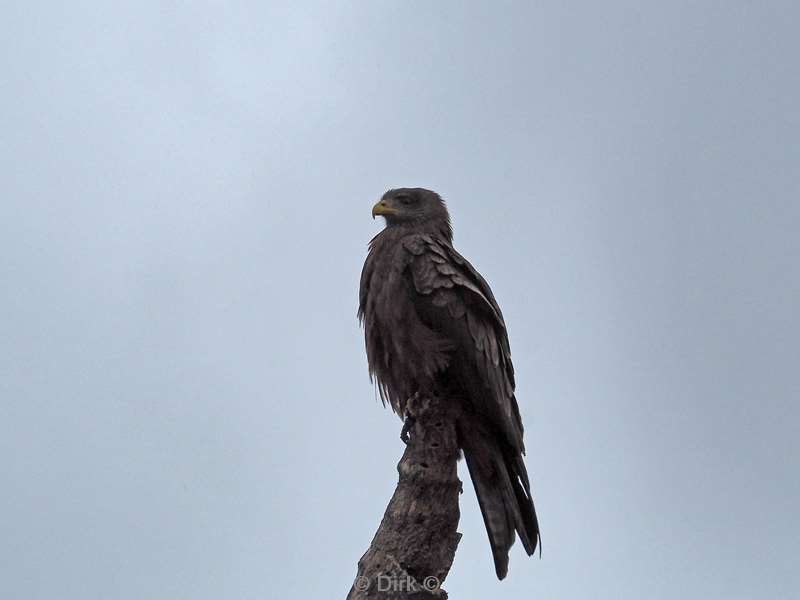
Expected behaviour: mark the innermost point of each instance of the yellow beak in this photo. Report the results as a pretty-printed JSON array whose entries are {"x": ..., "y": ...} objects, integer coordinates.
[{"x": 381, "y": 208}]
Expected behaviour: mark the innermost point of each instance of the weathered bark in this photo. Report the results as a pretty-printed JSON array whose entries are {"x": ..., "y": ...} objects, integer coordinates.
[{"x": 413, "y": 550}]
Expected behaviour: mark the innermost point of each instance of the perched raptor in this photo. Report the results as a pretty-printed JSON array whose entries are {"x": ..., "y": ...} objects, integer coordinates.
[{"x": 432, "y": 325}]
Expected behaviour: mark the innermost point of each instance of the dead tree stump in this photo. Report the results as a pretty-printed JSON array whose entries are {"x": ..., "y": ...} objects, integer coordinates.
[{"x": 414, "y": 547}]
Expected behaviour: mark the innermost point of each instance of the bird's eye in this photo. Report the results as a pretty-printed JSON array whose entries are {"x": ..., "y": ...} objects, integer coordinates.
[{"x": 405, "y": 200}]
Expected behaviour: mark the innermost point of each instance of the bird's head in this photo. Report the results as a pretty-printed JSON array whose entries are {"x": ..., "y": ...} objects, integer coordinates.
[{"x": 415, "y": 208}]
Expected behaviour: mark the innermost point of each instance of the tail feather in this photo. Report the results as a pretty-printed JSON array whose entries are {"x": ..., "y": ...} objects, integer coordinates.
[
  {"x": 531, "y": 539},
  {"x": 501, "y": 484}
]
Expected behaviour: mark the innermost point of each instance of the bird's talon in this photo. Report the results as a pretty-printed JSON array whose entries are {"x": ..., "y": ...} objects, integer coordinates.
[{"x": 407, "y": 425}]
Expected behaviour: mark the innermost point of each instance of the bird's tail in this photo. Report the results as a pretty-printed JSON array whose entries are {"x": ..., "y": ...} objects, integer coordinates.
[{"x": 501, "y": 484}]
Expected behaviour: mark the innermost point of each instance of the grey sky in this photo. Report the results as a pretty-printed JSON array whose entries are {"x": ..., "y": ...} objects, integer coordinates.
[{"x": 185, "y": 193}]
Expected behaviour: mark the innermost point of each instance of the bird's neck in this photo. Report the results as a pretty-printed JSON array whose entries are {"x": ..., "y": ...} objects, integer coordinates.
[{"x": 435, "y": 227}]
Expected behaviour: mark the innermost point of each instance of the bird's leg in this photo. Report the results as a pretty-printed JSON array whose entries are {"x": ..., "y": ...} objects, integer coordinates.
[{"x": 408, "y": 423}]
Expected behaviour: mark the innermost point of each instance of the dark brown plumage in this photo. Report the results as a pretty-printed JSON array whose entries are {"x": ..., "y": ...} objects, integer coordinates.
[{"x": 432, "y": 325}]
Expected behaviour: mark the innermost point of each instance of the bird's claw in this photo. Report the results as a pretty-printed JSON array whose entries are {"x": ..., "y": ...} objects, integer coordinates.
[{"x": 408, "y": 424}]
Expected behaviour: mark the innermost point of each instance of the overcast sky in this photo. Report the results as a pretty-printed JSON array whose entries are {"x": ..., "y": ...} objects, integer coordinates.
[{"x": 185, "y": 195}]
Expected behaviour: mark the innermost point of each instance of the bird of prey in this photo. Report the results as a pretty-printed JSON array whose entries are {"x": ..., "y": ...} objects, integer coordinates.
[{"x": 432, "y": 324}]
